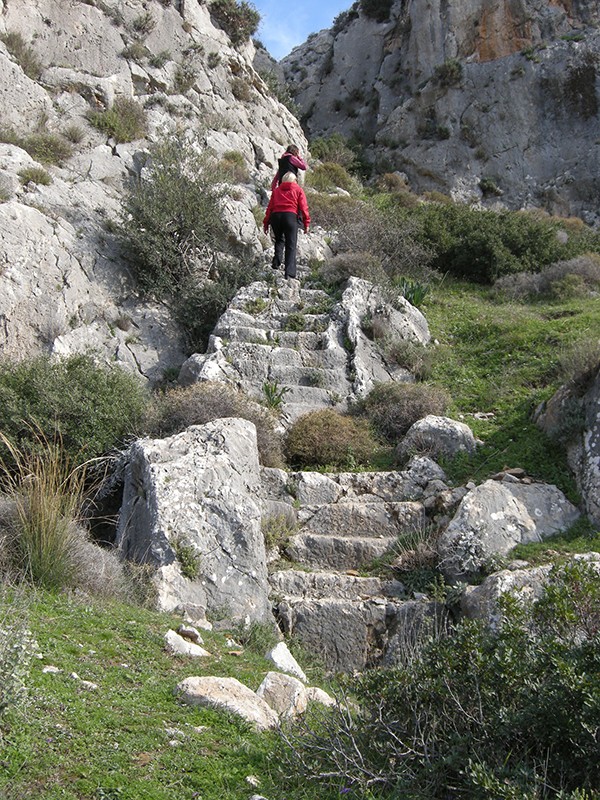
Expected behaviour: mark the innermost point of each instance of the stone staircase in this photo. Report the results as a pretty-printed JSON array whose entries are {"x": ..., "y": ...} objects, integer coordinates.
[
  {"x": 340, "y": 525},
  {"x": 301, "y": 346},
  {"x": 312, "y": 353}
]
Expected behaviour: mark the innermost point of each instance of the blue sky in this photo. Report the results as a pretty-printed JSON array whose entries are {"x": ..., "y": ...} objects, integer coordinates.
[{"x": 284, "y": 26}]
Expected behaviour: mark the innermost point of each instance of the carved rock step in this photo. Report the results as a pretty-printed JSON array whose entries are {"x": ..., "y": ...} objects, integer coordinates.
[
  {"x": 355, "y": 517},
  {"x": 337, "y": 552},
  {"x": 297, "y": 584},
  {"x": 350, "y": 635},
  {"x": 274, "y": 320},
  {"x": 275, "y": 355}
]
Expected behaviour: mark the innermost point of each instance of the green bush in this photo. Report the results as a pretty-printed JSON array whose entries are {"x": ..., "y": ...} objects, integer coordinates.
[
  {"x": 91, "y": 409},
  {"x": 125, "y": 121},
  {"x": 171, "y": 217},
  {"x": 379, "y": 10},
  {"x": 48, "y": 148},
  {"x": 35, "y": 175},
  {"x": 483, "y": 245},
  {"x": 200, "y": 304},
  {"x": 449, "y": 73},
  {"x": 511, "y": 713},
  {"x": 333, "y": 149},
  {"x": 329, "y": 439},
  {"x": 560, "y": 281},
  {"x": 177, "y": 409},
  {"x": 240, "y": 20},
  {"x": 393, "y": 407},
  {"x": 329, "y": 176}
]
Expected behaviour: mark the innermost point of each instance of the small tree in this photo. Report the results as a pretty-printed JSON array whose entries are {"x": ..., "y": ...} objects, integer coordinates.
[{"x": 240, "y": 20}]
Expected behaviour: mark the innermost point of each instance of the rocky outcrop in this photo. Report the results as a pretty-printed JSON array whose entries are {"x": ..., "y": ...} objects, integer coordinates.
[
  {"x": 465, "y": 95},
  {"x": 64, "y": 285},
  {"x": 495, "y": 517},
  {"x": 190, "y": 511},
  {"x": 311, "y": 354},
  {"x": 573, "y": 415}
]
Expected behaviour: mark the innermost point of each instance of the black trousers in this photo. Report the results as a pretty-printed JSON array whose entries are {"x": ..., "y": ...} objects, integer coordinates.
[{"x": 285, "y": 228}]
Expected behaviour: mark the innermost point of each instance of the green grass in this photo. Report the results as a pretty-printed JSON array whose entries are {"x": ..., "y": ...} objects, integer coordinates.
[
  {"x": 504, "y": 359},
  {"x": 113, "y": 742},
  {"x": 582, "y": 537}
]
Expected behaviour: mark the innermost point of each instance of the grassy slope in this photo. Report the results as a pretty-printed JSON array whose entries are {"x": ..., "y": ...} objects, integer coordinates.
[
  {"x": 503, "y": 359},
  {"x": 72, "y": 743}
]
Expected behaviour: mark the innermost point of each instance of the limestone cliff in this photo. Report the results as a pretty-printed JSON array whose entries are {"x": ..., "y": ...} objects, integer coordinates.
[
  {"x": 472, "y": 98},
  {"x": 64, "y": 286}
]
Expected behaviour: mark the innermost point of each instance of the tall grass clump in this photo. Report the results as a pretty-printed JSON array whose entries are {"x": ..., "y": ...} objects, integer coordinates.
[
  {"x": 90, "y": 408},
  {"x": 47, "y": 491}
]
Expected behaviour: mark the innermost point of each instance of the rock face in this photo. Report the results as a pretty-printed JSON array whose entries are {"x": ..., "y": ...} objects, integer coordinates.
[
  {"x": 64, "y": 286},
  {"x": 455, "y": 93},
  {"x": 189, "y": 510},
  {"x": 496, "y": 516},
  {"x": 291, "y": 339},
  {"x": 582, "y": 408}
]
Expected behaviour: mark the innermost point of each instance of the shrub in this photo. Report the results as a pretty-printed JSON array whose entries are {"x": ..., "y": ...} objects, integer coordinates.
[
  {"x": 171, "y": 217},
  {"x": 560, "y": 281},
  {"x": 449, "y": 73},
  {"x": 234, "y": 166},
  {"x": 35, "y": 175},
  {"x": 158, "y": 60},
  {"x": 143, "y": 24},
  {"x": 417, "y": 358},
  {"x": 177, "y": 409},
  {"x": 185, "y": 77},
  {"x": 333, "y": 149},
  {"x": 329, "y": 439},
  {"x": 241, "y": 90},
  {"x": 329, "y": 176},
  {"x": 135, "y": 51},
  {"x": 334, "y": 211},
  {"x": 393, "y": 407},
  {"x": 379, "y": 10},
  {"x": 240, "y": 20},
  {"x": 125, "y": 121},
  {"x": 74, "y": 134},
  {"x": 23, "y": 54},
  {"x": 483, "y": 245},
  {"x": 506, "y": 713},
  {"x": 89, "y": 408},
  {"x": 48, "y": 148}
]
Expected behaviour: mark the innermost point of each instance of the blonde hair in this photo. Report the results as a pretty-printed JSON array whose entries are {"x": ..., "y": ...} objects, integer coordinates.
[{"x": 289, "y": 177}]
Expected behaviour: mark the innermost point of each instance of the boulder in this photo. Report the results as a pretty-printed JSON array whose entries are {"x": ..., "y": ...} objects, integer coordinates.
[
  {"x": 285, "y": 661},
  {"x": 481, "y": 602},
  {"x": 495, "y": 517},
  {"x": 437, "y": 436},
  {"x": 178, "y": 645},
  {"x": 190, "y": 511},
  {"x": 285, "y": 694},
  {"x": 229, "y": 695}
]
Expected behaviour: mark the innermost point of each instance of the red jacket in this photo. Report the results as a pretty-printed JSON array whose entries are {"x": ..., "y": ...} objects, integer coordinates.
[{"x": 288, "y": 197}]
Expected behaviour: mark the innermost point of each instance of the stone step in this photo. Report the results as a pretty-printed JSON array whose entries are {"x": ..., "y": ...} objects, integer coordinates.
[
  {"x": 292, "y": 583},
  {"x": 308, "y": 378},
  {"x": 355, "y": 517},
  {"x": 272, "y": 353},
  {"x": 352, "y": 635},
  {"x": 337, "y": 552}
]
